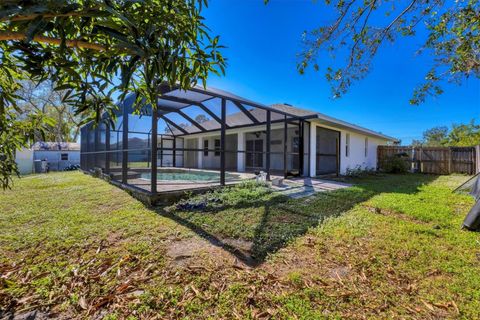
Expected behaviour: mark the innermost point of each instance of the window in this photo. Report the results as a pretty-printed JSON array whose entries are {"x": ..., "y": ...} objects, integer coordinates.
[
  {"x": 217, "y": 147},
  {"x": 347, "y": 145},
  {"x": 205, "y": 148},
  {"x": 64, "y": 156},
  {"x": 366, "y": 147}
]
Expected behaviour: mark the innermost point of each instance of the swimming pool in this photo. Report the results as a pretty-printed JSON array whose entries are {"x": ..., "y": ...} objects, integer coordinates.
[{"x": 189, "y": 175}]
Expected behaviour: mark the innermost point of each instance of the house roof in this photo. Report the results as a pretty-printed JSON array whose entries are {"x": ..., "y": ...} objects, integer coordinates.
[
  {"x": 173, "y": 100},
  {"x": 240, "y": 119},
  {"x": 330, "y": 121},
  {"x": 237, "y": 119},
  {"x": 293, "y": 110},
  {"x": 56, "y": 146}
]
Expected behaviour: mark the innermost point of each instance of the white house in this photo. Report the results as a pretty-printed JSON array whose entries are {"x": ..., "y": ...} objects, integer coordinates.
[
  {"x": 331, "y": 146},
  {"x": 207, "y": 129},
  {"x": 58, "y": 156}
]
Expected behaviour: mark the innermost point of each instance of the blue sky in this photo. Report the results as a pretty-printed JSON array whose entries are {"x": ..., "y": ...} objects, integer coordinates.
[{"x": 263, "y": 42}]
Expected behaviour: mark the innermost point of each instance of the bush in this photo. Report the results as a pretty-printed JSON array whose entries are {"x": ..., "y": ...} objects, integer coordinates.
[
  {"x": 396, "y": 163},
  {"x": 360, "y": 172},
  {"x": 240, "y": 194}
]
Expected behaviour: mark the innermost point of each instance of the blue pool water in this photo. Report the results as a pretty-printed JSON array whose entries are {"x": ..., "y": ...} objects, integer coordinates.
[{"x": 188, "y": 175}]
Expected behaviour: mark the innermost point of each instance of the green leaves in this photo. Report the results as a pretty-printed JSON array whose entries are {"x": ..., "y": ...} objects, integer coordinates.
[
  {"x": 15, "y": 134},
  {"x": 358, "y": 32},
  {"x": 460, "y": 135},
  {"x": 98, "y": 50}
]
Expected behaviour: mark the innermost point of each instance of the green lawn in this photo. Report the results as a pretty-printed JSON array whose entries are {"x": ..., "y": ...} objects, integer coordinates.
[{"x": 73, "y": 246}]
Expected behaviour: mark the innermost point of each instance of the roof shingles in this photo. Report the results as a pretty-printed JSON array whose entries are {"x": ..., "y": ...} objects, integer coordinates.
[
  {"x": 239, "y": 119},
  {"x": 56, "y": 146}
]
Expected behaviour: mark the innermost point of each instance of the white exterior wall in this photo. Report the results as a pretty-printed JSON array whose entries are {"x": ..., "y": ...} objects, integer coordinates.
[
  {"x": 356, "y": 157},
  {"x": 197, "y": 159},
  {"x": 236, "y": 141},
  {"x": 241, "y": 156},
  {"x": 210, "y": 161},
  {"x": 191, "y": 158},
  {"x": 199, "y": 154},
  {"x": 357, "y": 149},
  {"x": 167, "y": 160},
  {"x": 54, "y": 158},
  {"x": 24, "y": 160}
]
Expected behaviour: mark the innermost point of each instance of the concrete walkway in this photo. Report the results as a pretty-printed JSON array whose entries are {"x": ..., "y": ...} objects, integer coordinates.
[{"x": 304, "y": 187}]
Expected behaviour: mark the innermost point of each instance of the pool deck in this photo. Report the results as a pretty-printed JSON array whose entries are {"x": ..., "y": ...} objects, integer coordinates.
[
  {"x": 169, "y": 191},
  {"x": 164, "y": 186}
]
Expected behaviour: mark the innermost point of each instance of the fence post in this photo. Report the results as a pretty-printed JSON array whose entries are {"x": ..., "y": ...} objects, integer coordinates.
[
  {"x": 420, "y": 158},
  {"x": 477, "y": 159},
  {"x": 412, "y": 160},
  {"x": 449, "y": 160}
]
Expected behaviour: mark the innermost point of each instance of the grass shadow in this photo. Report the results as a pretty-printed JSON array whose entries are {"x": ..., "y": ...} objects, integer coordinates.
[{"x": 269, "y": 221}]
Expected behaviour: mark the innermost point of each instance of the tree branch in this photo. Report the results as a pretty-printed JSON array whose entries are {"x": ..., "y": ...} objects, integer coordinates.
[
  {"x": 48, "y": 15},
  {"x": 11, "y": 36},
  {"x": 354, "y": 47},
  {"x": 392, "y": 23},
  {"x": 337, "y": 23},
  {"x": 400, "y": 15}
]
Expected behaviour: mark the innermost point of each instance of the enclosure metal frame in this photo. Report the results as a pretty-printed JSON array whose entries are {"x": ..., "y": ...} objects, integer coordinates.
[{"x": 162, "y": 111}]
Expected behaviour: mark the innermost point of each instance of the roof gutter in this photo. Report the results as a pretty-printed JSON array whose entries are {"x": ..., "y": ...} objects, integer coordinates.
[{"x": 324, "y": 119}]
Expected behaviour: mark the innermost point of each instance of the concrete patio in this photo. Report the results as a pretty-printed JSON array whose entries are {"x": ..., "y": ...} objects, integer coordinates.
[{"x": 304, "y": 187}]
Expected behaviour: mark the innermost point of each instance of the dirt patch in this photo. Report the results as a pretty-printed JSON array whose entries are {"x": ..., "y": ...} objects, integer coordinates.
[
  {"x": 181, "y": 250},
  {"x": 339, "y": 272},
  {"x": 312, "y": 260},
  {"x": 309, "y": 267},
  {"x": 239, "y": 245},
  {"x": 287, "y": 263},
  {"x": 197, "y": 251},
  {"x": 396, "y": 214}
]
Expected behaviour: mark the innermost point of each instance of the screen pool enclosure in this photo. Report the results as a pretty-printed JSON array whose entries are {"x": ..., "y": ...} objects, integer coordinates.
[{"x": 197, "y": 138}]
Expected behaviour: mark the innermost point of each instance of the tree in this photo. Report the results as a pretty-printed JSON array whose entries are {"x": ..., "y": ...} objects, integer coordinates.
[
  {"x": 99, "y": 49},
  {"x": 464, "y": 135},
  {"x": 170, "y": 129},
  {"x": 42, "y": 98},
  {"x": 461, "y": 135},
  {"x": 358, "y": 33},
  {"x": 435, "y": 137},
  {"x": 201, "y": 118},
  {"x": 417, "y": 143}
]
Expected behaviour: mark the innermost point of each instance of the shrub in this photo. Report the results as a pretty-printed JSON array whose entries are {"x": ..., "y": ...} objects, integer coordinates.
[
  {"x": 360, "y": 172},
  {"x": 396, "y": 163},
  {"x": 240, "y": 194}
]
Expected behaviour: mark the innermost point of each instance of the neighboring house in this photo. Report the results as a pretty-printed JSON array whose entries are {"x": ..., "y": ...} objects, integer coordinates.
[{"x": 58, "y": 155}]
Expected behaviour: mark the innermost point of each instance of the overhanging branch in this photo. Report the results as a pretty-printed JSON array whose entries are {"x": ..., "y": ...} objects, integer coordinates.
[
  {"x": 49, "y": 15},
  {"x": 12, "y": 36}
]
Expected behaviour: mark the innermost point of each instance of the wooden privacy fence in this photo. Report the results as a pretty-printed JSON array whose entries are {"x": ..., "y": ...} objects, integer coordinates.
[{"x": 436, "y": 160}]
